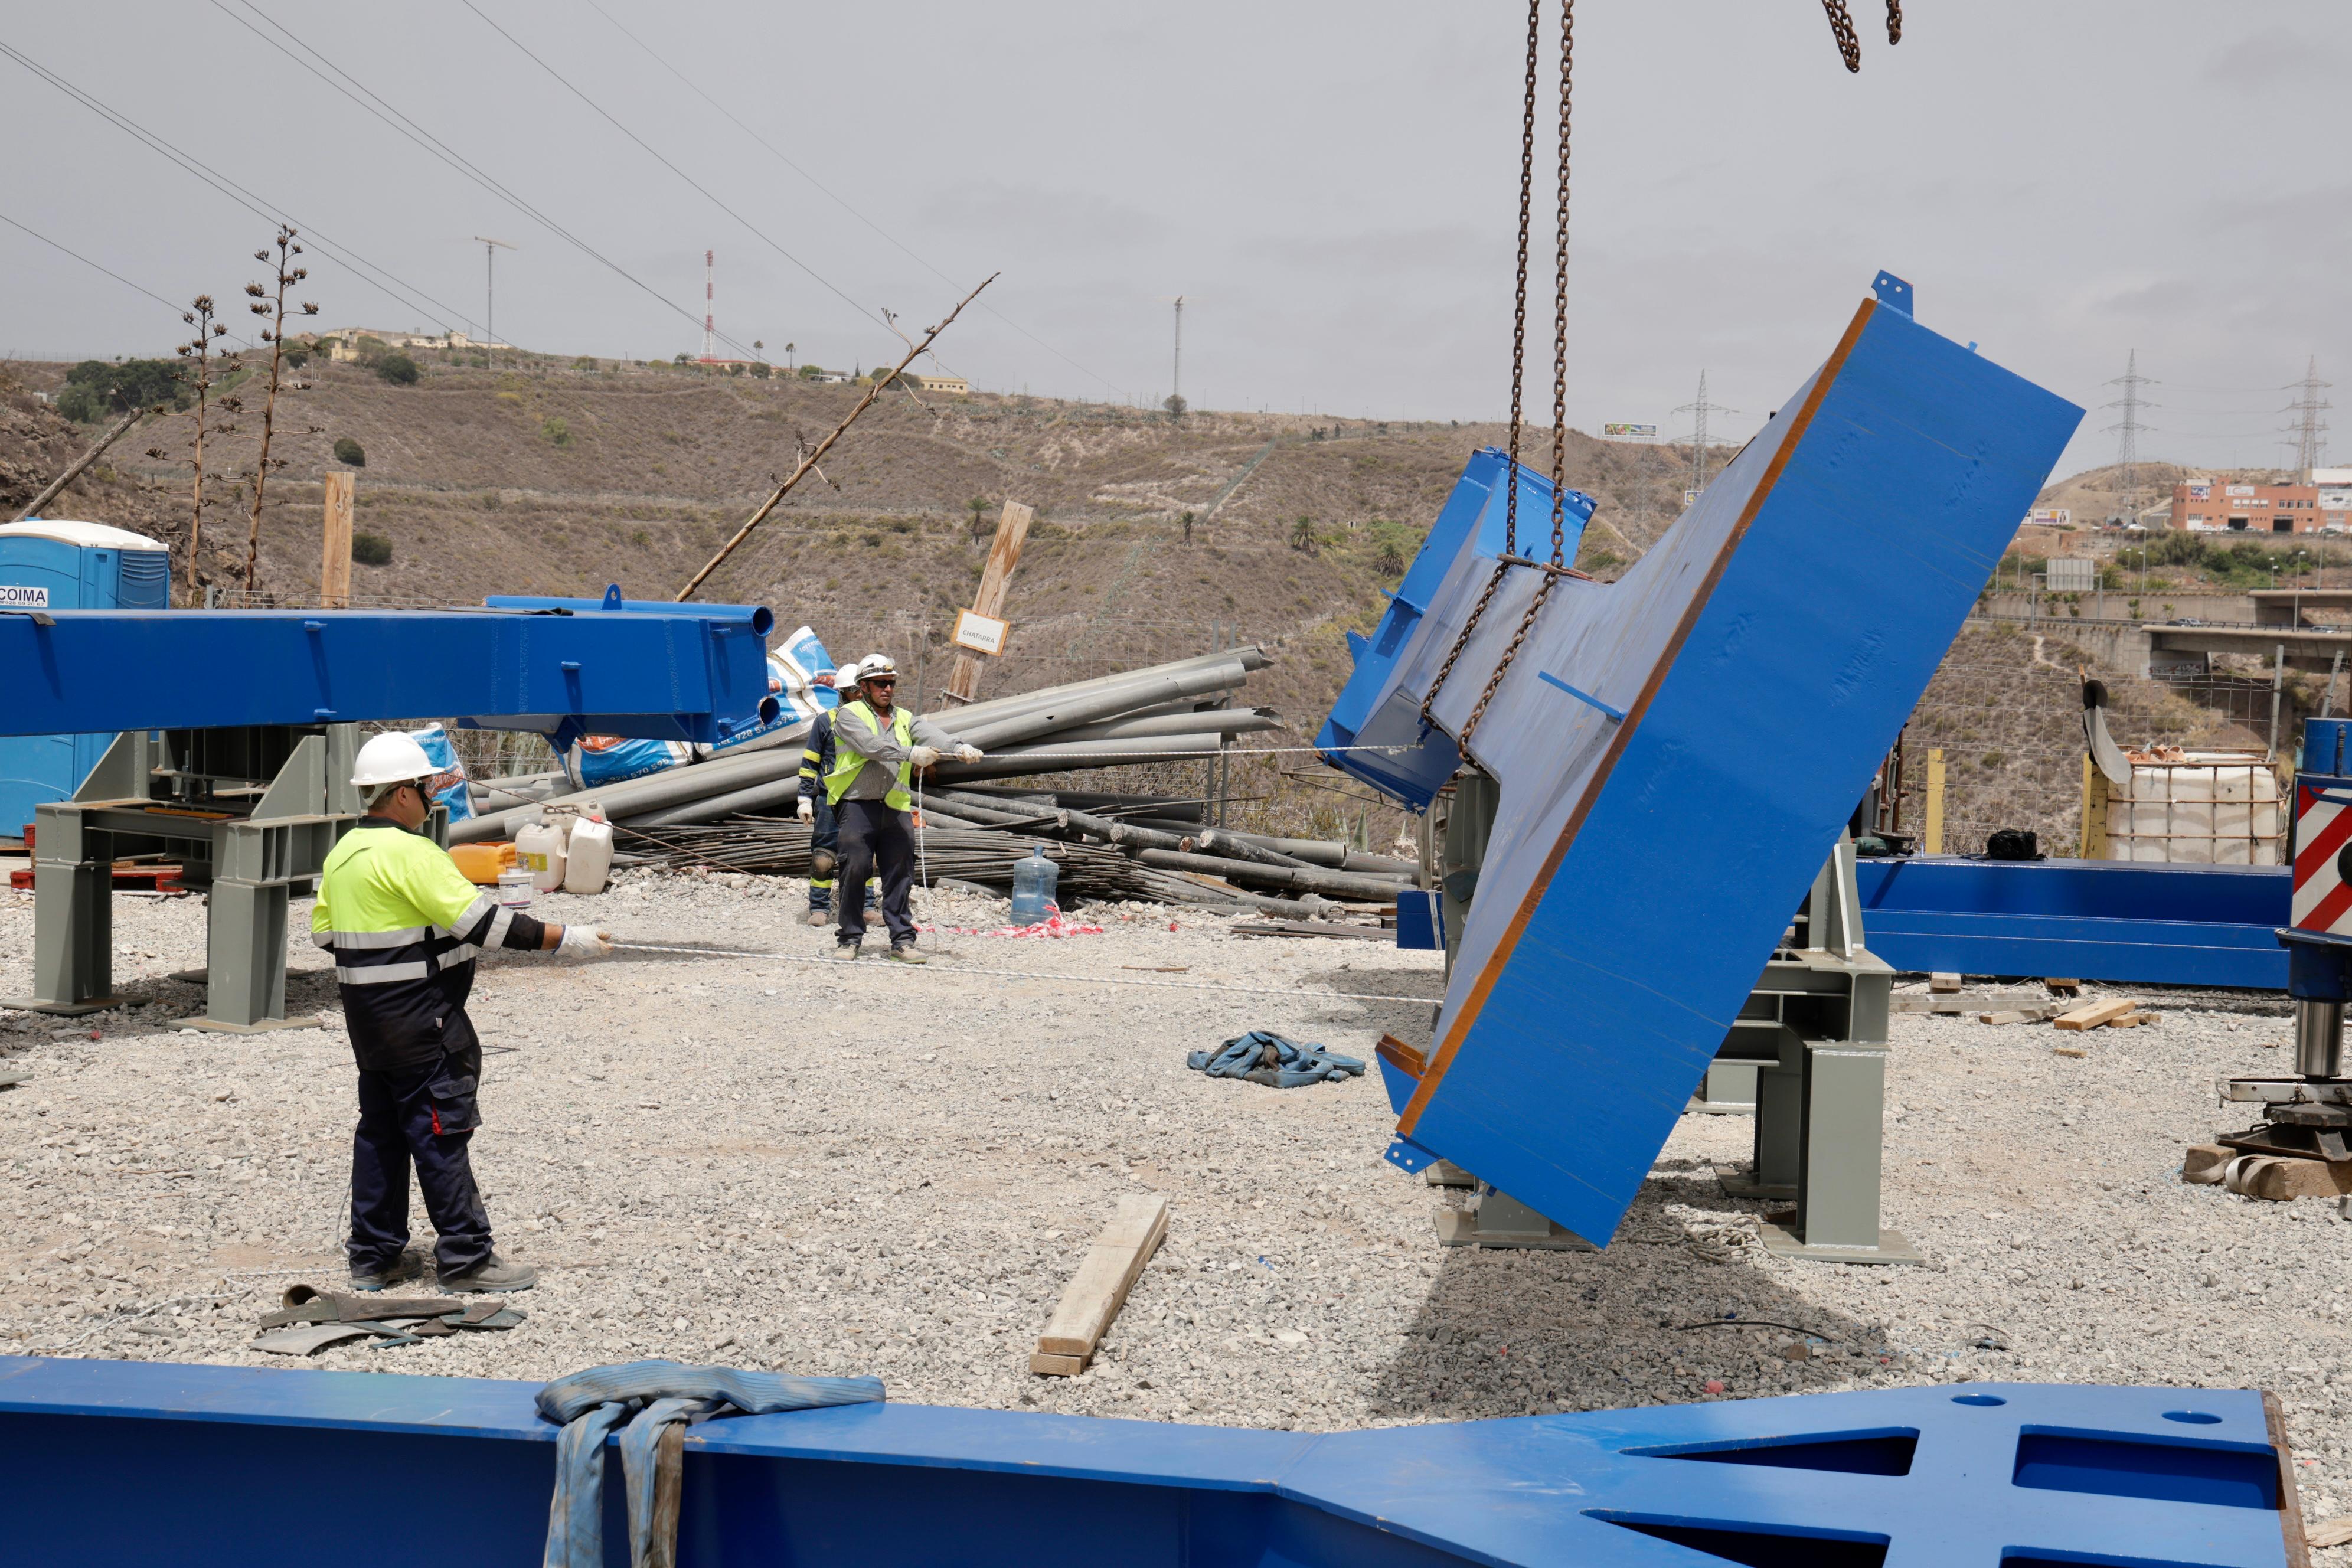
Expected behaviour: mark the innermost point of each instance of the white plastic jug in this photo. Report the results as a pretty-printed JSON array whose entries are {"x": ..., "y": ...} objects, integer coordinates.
[
  {"x": 514, "y": 888},
  {"x": 539, "y": 848},
  {"x": 589, "y": 856}
]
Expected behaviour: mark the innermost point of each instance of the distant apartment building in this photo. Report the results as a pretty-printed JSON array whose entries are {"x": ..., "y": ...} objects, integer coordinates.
[
  {"x": 955, "y": 386},
  {"x": 346, "y": 341},
  {"x": 2202, "y": 505}
]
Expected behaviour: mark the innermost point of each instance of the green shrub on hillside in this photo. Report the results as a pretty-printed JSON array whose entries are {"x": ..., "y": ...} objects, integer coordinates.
[
  {"x": 96, "y": 390},
  {"x": 370, "y": 550},
  {"x": 349, "y": 453},
  {"x": 557, "y": 432},
  {"x": 398, "y": 369}
]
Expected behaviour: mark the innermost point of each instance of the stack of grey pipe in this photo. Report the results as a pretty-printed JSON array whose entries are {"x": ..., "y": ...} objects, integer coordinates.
[{"x": 1141, "y": 716}]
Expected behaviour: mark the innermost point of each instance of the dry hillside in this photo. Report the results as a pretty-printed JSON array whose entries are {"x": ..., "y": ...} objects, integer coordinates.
[
  {"x": 560, "y": 477},
  {"x": 557, "y": 477}
]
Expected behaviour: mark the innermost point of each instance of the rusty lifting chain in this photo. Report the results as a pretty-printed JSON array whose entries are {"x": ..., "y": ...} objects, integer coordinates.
[
  {"x": 1548, "y": 580},
  {"x": 1558, "y": 567},
  {"x": 1850, "y": 47},
  {"x": 1518, "y": 367},
  {"x": 1849, "y": 44}
]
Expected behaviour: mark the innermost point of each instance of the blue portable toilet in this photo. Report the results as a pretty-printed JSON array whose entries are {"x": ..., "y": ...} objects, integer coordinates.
[{"x": 47, "y": 564}]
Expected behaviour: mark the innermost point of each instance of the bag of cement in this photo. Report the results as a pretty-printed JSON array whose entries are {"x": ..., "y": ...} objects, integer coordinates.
[
  {"x": 600, "y": 760},
  {"x": 793, "y": 671},
  {"x": 448, "y": 783},
  {"x": 807, "y": 660},
  {"x": 800, "y": 674}
]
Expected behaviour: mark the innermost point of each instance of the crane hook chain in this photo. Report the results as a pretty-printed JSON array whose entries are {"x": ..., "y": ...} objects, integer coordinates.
[{"x": 1849, "y": 44}]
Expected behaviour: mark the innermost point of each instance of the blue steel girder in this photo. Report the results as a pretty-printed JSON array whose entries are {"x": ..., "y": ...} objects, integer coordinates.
[
  {"x": 1763, "y": 655},
  {"x": 692, "y": 676},
  {"x": 1953, "y": 1476},
  {"x": 2134, "y": 922}
]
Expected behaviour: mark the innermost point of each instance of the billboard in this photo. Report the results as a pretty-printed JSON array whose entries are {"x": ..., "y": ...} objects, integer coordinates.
[
  {"x": 1614, "y": 431},
  {"x": 2073, "y": 575}
]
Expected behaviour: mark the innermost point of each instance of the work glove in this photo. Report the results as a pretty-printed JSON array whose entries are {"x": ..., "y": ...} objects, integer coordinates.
[
  {"x": 969, "y": 753},
  {"x": 807, "y": 810},
  {"x": 585, "y": 941},
  {"x": 923, "y": 756}
]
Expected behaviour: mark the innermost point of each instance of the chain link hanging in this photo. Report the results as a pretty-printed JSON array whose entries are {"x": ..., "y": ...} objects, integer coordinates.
[
  {"x": 1518, "y": 367},
  {"x": 1559, "y": 390},
  {"x": 1850, "y": 43},
  {"x": 1850, "y": 50}
]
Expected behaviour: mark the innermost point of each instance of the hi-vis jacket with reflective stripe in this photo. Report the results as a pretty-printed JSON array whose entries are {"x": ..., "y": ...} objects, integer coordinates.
[
  {"x": 404, "y": 926},
  {"x": 872, "y": 761}
]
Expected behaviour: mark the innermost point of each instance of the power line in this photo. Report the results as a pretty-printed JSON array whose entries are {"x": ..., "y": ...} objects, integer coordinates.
[
  {"x": 322, "y": 244},
  {"x": 383, "y": 110},
  {"x": 779, "y": 154},
  {"x": 706, "y": 192},
  {"x": 86, "y": 261}
]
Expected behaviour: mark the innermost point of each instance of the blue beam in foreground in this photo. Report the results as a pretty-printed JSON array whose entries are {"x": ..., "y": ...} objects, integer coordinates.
[
  {"x": 692, "y": 676},
  {"x": 2127, "y": 921},
  {"x": 106, "y": 1463}
]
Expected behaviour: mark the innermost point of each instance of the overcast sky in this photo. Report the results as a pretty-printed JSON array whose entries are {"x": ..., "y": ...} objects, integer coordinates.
[{"x": 1331, "y": 187}]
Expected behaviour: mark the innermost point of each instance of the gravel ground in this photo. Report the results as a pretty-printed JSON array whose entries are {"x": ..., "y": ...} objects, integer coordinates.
[{"x": 878, "y": 1170}]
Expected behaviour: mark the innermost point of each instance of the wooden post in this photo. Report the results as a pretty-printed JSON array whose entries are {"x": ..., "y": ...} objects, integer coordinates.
[
  {"x": 335, "y": 564},
  {"x": 2095, "y": 813},
  {"x": 1932, "y": 839},
  {"x": 1011, "y": 529}
]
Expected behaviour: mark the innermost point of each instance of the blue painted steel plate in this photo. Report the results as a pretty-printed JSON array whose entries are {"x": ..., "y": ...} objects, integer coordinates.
[
  {"x": 1965, "y": 1475},
  {"x": 692, "y": 676},
  {"x": 1763, "y": 654},
  {"x": 2129, "y": 922}
]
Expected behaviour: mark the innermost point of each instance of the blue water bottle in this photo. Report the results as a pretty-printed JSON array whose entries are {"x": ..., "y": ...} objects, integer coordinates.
[{"x": 1033, "y": 887}]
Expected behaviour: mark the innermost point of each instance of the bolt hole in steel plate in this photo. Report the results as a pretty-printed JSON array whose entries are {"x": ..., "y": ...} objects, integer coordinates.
[
  {"x": 2193, "y": 1417},
  {"x": 1982, "y": 1399}
]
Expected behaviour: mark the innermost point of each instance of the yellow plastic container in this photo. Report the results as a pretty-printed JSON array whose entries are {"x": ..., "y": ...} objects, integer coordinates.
[{"x": 481, "y": 863}]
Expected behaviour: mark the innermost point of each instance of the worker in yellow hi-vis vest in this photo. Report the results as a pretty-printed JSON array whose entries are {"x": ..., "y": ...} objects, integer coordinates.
[
  {"x": 878, "y": 746},
  {"x": 404, "y": 926}
]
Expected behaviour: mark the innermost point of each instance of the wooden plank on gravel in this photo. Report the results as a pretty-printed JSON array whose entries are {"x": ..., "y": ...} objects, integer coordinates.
[
  {"x": 1312, "y": 928},
  {"x": 2134, "y": 1020},
  {"x": 2096, "y": 1014},
  {"x": 1099, "y": 1288}
]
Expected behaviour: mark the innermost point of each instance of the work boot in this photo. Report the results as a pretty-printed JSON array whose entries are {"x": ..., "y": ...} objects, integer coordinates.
[
  {"x": 381, "y": 1278},
  {"x": 845, "y": 949},
  {"x": 492, "y": 1273},
  {"x": 820, "y": 917},
  {"x": 905, "y": 953}
]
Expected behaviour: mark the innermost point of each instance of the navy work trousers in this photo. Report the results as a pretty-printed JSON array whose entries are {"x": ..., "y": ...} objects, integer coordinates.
[
  {"x": 824, "y": 838},
  {"x": 872, "y": 836},
  {"x": 427, "y": 1118}
]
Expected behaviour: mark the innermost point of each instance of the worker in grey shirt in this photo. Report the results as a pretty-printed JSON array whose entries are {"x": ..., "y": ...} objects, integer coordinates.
[{"x": 878, "y": 746}]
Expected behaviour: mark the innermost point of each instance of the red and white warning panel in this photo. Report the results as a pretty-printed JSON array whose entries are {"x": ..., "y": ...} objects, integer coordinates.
[{"x": 2323, "y": 862}]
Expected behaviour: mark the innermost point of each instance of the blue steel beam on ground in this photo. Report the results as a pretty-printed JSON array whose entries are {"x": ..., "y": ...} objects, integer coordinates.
[
  {"x": 2131, "y": 923},
  {"x": 1965, "y": 1475},
  {"x": 689, "y": 676},
  {"x": 1763, "y": 654}
]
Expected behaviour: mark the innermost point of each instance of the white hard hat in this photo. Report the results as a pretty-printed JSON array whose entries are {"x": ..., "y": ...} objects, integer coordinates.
[
  {"x": 875, "y": 664},
  {"x": 390, "y": 759}
]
